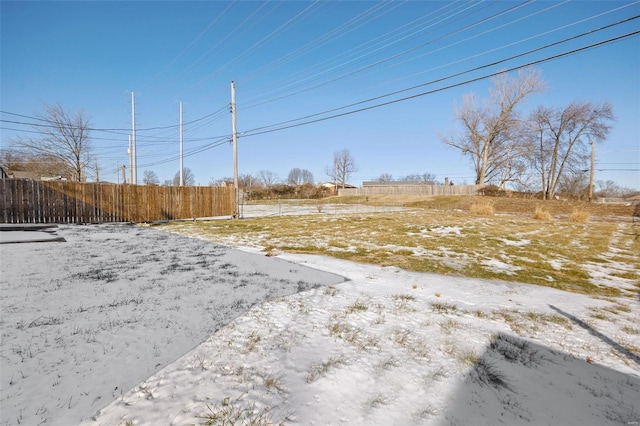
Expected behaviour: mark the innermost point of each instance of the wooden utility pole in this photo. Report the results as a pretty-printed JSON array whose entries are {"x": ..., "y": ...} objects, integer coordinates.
[
  {"x": 593, "y": 165},
  {"x": 181, "y": 165},
  {"x": 235, "y": 147}
]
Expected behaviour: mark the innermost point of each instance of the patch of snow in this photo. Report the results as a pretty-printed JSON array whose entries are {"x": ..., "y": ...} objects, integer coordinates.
[
  {"x": 496, "y": 265},
  {"x": 556, "y": 264},
  {"x": 514, "y": 243},
  {"x": 446, "y": 230}
]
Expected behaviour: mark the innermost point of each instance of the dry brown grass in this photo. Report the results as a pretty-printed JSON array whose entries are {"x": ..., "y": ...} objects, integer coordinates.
[
  {"x": 579, "y": 215},
  {"x": 482, "y": 208},
  {"x": 541, "y": 213},
  {"x": 426, "y": 240}
]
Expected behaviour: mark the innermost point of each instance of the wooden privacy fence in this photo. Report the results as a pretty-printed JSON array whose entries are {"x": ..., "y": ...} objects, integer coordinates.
[{"x": 30, "y": 201}]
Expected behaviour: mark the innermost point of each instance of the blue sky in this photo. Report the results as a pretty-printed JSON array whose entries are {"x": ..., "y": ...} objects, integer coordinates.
[{"x": 291, "y": 59}]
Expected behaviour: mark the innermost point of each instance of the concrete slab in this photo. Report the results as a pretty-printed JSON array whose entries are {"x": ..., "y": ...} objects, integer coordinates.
[
  {"x": 26, "y": 226},
  {"x": 12, "y": 233},
  {"x": 29, "y": 237}
]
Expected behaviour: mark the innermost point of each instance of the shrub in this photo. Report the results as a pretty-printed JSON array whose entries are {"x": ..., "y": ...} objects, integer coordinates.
[
  {"x": 579, "y": 215},
  {"x": 482, "y": 208},
  {"x": 283, "y": 191},
  {"x": 541, "y": 213},
  {"x": 492, "y": 191}
]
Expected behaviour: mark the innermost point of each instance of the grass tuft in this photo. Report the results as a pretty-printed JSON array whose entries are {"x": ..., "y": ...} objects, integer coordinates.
[
  {"x": 230, "y": 412},
  {"x": 443, "y": 307},
  {"x": 541, "y": 213},
  {"x": 579, "y": 215},
  {"x": 485, "y": 373},
  {"x": 320, "y": 370},
  {"x": 357, "y": 306},
  {"x": 482, "y": 208}
]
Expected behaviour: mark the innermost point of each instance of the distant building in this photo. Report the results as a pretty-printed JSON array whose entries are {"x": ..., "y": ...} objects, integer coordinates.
[
  {"x": 21, "y": 175},
  {"x": 335, "y": 186}
]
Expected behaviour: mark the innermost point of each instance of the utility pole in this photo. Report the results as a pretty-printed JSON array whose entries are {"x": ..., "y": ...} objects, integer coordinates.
[
  {"x": 134, "y": 175},
  {"x": 181, "y": 160},
  {"x": 235, "y": 146},
  {"x": 124, "y": 174},
  {"x": 593, "y": 165},
  {"x": 129, "y": 151},
  {"x": 97, "y": 173}
]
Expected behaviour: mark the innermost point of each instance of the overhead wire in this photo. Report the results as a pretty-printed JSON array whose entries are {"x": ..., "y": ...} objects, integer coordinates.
[
  {"x": 385, "y": 41},
  {"x": 198, "y": 37},
  {"x": 96, "y": 129},
  {"x": 301, "y": 15},
  {"x": 226, "y": 37},
  {"x": 340, "y": 31},
  {"x": 491, "y": 64},
  {"x": 406, "y": 98},
  {"x": 486, "y": 52}
]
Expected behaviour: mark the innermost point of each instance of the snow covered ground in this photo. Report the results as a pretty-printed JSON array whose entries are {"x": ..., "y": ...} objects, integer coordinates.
[{"x": 127, "y": 325}]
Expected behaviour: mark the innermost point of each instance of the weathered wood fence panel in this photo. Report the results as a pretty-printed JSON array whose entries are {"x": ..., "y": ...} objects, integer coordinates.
[{"x": 29, "y": 201}]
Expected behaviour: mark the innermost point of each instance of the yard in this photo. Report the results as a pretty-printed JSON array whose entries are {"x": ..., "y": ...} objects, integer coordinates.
[{"x": 361, "y": 314}]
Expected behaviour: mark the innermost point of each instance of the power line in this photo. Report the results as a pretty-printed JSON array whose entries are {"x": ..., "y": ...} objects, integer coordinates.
[
  {"x": 189, "y": 153},
  {"x": 359, "y": 55},
  {"x": 96, "y": 129},
  {"x": 395, "y": 55},
  {"x": 443, "y": 79}
]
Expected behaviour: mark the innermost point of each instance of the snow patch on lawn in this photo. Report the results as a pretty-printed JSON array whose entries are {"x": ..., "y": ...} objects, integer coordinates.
[{"x": 496, "y": 265}]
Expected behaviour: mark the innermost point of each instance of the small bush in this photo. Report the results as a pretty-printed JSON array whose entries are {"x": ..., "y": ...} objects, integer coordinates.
[
  {"x": 482, "y": 208},
  {"x": 282, "y": 191},
  {"x": 493, "y": 191},
  {"x": 541, "y": 213},
  {"x": 579, "y": 215}
]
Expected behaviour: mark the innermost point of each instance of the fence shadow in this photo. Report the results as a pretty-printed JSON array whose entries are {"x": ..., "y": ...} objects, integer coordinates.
[{"x": 614, "y": 345}]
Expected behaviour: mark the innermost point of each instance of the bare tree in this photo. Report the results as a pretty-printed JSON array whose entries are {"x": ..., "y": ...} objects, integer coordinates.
[
  {"x": 420, "y": 177},
  {"x": 574, "y": 185},
  {"x": 299, "y": 176},
  {"x": 385, "y": 177},
  {"x": 150, "y": 178},
  {"x": 244, "y": 180},
  {"x": 343, "y": 166},
  {"x": 188, "y": 178},
  {"x": 561, "y": 139},
  {"x": 65, "y": 137},
  {"x": 267, "y": 178},
  {"x": 608, "y": 189},
  {"x": 489, "y": 130}
]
